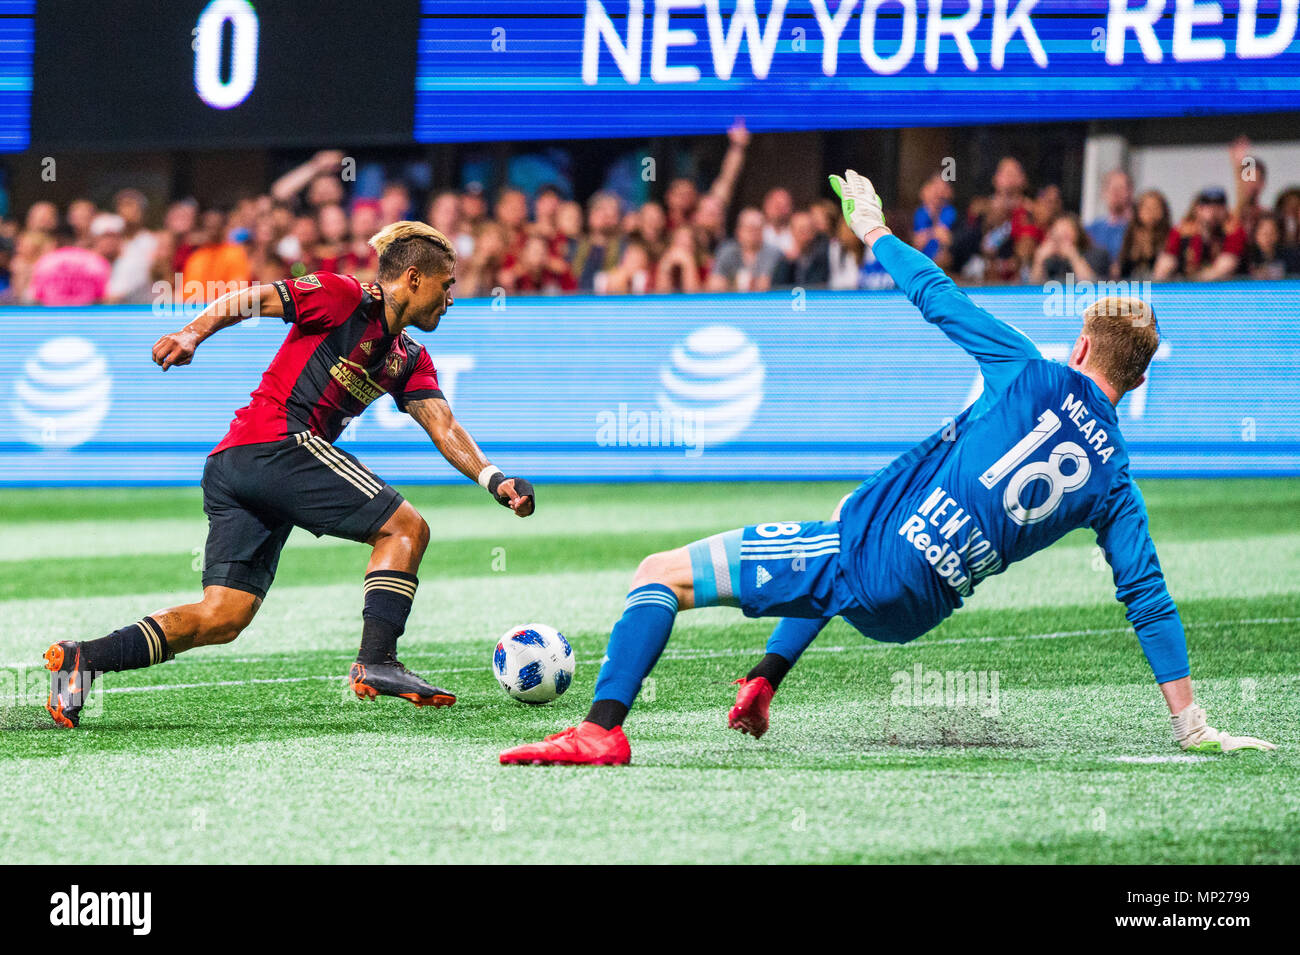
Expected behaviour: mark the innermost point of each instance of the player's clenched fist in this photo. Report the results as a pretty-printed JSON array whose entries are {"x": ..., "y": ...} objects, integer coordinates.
[
  {"x": 515, "y": 493},
  {"x": 175, "y": 349}
]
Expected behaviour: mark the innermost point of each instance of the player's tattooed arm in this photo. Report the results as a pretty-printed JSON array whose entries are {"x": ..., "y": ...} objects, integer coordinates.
[
  {"x": 232, "y": 308},
  {"x": 463, "y": 453}
]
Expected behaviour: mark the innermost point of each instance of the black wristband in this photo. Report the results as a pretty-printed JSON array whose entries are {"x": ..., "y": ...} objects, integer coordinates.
[{"x": 523, "y": 487}]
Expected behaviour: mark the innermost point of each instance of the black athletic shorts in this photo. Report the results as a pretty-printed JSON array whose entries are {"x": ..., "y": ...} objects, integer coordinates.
[{"x": 254, "y": 494}]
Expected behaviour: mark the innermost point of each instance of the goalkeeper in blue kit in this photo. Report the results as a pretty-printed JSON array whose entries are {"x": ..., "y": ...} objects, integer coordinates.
[{"x": 1038, "y": 455}]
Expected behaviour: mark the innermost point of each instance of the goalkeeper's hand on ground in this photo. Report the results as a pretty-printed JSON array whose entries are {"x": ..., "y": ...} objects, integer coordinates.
[
  {"x": 1196, "y": 736},
  {"x": 862, "y": 207}
]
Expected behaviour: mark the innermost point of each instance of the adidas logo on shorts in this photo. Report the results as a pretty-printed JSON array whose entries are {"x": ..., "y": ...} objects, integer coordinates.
[{"x": 761, "y": 577}]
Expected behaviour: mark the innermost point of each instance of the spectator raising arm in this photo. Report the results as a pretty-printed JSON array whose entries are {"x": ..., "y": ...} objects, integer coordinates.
[
  {"x": 287, "y": 187},
  {"x": 724, "y": 187}
]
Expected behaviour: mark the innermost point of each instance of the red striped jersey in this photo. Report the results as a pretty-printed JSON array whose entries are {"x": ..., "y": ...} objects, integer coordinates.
[{"x": 337, "y": 358}]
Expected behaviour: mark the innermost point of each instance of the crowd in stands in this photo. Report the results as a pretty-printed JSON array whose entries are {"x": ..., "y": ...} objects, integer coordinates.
[{"x": 691, "y": 241}]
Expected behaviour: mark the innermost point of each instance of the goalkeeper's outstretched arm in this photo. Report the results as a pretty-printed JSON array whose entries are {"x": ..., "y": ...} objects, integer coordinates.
[
  {"x": 1122, "y": 533},
  {"x": 1000, "y": 349}
]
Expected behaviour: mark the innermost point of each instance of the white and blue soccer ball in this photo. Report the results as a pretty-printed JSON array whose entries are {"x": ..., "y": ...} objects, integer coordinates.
[{"x": 533, "y": 663}]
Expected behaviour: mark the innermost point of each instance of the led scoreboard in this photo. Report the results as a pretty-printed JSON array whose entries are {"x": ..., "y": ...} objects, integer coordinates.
[{"x": 226, "y": 73}]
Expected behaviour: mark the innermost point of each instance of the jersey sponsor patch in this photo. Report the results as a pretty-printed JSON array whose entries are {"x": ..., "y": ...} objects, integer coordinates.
[{"x": 355, "y": 380}]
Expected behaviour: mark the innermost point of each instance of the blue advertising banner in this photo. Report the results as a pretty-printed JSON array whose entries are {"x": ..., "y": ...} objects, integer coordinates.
[
  {"x": 17, "y": 43},
  {"x": 602, "y": 68},
  {"x": 774, "y": 386}
]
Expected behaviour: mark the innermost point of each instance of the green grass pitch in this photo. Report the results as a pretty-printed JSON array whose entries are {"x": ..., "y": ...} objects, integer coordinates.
[{"x": 253, "y": 752}]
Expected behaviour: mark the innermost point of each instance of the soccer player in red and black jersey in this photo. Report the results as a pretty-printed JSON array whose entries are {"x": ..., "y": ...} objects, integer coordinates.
[{"x": 277, "y": 468}]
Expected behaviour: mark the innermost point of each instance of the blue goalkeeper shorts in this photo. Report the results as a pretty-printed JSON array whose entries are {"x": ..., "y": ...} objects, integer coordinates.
[{"x": 784, "y": 569}]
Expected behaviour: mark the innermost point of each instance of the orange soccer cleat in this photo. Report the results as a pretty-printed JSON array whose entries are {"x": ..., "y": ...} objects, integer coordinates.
[
  {"x": 586, "y": 744},
  {"x": 749, "y": 715},
  {"x": 69, "y": 683}
]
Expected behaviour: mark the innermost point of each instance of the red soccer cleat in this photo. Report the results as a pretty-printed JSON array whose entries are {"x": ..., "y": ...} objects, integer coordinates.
[
  {"x": 749, "y": 715},
  {"x": 586, "y": 744}
]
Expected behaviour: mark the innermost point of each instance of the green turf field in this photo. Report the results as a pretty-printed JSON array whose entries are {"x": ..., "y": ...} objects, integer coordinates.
[{"x": 254, "y": 753}]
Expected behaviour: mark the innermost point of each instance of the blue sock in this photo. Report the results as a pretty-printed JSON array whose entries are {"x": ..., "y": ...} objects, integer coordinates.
[
  {"x": 793, "y": 635},
  {"x": 636, "y": 642}
]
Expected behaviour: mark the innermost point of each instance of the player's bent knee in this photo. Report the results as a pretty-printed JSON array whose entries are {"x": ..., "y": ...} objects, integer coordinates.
[
  {"x": 406, "y": 524},
  {"x": 671, "y": 568},
  {"x": 223, "y": 617}
]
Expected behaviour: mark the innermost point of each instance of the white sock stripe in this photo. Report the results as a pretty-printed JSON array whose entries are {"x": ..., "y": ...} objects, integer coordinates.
[
  {"x": 667, "y": 598},
  {"x": 663, "y": 600},
  {"x": 348, "y": 464}
]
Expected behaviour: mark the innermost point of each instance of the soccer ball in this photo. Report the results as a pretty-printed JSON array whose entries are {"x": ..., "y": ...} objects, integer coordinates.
[{"x": 533, "y": 663}]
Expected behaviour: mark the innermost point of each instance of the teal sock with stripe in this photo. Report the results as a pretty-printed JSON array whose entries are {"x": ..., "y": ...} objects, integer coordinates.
[{"x": 636, "y": 642}]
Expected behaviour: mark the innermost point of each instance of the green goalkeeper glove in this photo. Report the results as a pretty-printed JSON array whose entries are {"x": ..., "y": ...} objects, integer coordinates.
[
  {"x": 1195, "y": 736},
  {"x": 861, "y": 205}
]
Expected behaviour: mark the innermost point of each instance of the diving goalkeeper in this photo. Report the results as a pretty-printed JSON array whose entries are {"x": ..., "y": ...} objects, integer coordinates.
[{"x": 1038, "y": 455}]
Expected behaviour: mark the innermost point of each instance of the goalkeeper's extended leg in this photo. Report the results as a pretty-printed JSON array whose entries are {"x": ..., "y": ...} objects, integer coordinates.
[
  {"x": 786, "y": 569},
  {"x": 663, "y": 585},
  {"x": 788, "y": 641}
]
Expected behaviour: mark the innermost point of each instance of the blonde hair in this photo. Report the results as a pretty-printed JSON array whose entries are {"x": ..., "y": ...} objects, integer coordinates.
[
  {"x": 397, "y": 251},
  {"x": 1124, "y": 337}
]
